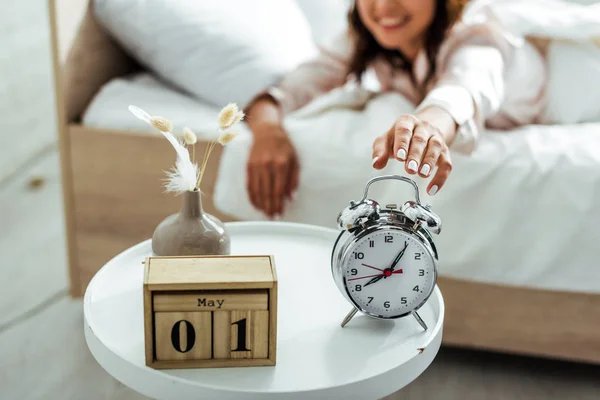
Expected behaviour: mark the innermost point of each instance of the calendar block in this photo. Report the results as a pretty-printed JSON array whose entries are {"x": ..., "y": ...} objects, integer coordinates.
[
  {"x": 212, "y": 311},
  {"x": 183, "y": 335},
  {"x": 249, "y": 334},
  {"x": 241, "y": 334}
]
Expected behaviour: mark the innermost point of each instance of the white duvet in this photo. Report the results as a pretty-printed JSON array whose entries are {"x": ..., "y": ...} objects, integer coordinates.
[{"x": 522, "y": 209}]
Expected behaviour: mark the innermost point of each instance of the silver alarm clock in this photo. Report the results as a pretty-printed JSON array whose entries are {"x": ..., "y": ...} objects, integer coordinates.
[{"x": 384, "y": 261}]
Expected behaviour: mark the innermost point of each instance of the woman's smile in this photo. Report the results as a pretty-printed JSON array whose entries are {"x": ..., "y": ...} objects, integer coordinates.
[
  {"x": 393, "y": 23},
  {"x": 400, "y": 25}
]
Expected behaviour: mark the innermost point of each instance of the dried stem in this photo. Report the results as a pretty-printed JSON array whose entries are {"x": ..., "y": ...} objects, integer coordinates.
[{"x": 207, "y": 151}]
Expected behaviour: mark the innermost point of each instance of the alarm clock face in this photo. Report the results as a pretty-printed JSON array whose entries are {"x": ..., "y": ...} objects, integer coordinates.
[{"x": 388, "y": 273}]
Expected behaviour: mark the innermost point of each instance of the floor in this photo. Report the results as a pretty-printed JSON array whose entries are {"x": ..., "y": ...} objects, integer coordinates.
[{"x": 43, "y": 354}]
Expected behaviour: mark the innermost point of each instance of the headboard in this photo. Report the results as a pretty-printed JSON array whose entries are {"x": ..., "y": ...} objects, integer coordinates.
[{"x": 85, "y": 56}]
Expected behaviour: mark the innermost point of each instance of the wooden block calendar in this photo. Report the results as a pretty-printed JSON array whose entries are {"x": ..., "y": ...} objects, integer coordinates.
[{"x": 210, "y": 311}]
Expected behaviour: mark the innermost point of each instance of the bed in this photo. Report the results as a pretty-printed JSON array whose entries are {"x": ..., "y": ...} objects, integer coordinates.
[{"x": 545, "y": 301}]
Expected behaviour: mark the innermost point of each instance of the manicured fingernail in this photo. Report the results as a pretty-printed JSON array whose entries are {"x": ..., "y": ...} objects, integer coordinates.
[
  {"x": 433, "y": 190},
  {"x": 425, "y": 169},
  {"x": 375, "y": 160},
  {"x": 412, "y": 166},
  {"x": 401, "y": 154}
]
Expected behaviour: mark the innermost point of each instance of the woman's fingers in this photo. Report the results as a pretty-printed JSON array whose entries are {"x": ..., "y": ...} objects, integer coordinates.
[
  {"x": 403, "y": 132},
  {"x": 294, "y": 178},
  {"x": 253, "y": 185},
  {"x": 418, "y": 144},
  {"x": 281, "y": 169},
  {"x": 249, "y": 187},
  {"x": 381, "y": 149},
  {"x": 266, "y": 190},
  {"x": 444, "y": 165},
  {"x": 434, "y": 149}
]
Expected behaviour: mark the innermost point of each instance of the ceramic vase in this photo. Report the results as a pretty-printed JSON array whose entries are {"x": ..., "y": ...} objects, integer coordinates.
[{"x": 191, "y": 231}]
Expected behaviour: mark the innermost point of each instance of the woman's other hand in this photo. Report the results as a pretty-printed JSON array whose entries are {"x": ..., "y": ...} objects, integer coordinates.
[
  {"x": 273, "y": 168},
  {"x": 421, "y": 142}
]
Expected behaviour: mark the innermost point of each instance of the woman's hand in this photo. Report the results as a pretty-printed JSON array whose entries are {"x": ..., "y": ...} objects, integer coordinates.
[
  {"x": 272, "y": 169},
  {"x": 420, "y": 144}
]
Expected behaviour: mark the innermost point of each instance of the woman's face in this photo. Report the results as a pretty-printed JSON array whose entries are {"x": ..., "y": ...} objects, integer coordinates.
[{"x": 398, "y": 24}]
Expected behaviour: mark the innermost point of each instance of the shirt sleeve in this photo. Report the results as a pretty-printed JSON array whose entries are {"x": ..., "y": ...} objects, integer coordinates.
[
  {"x": 471, "y": 83},
  {"x": 312, "y": 78}
]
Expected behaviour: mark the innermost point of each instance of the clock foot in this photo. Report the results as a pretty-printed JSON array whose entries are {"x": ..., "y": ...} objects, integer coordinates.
[
  {"x": 419, "y": 320},
  {"x": 348, "y": 317}
]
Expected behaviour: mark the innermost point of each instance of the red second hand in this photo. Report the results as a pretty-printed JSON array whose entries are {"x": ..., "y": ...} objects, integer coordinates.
[
  {"x": 363, "y": 277},
  {"x": 372, "y": 267},
  {"x": 372, "y": 276}
]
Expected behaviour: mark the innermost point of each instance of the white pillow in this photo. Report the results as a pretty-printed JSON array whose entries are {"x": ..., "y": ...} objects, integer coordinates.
[
  {"x": 221, "y": 51},
  {"x": 573, "y": 89}
]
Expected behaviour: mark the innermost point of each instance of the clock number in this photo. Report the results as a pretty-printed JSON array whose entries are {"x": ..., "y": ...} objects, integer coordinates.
[
  {"x": 358, "y": 288},
  {"x": 241, "y": 336},
  {"x": 403, "y": 300},
  {"x": 353, "y": 271},
  {"x": 371, "y": 243},
  {"x": 190, "y": 333},
  {"x": 416, "y": 288},
  {"x": 386, "y": 304},
  {"x": 359, "y": 255},
  {"x": 389, "y": 239},
  {"x": 417, "y": 256},
  {"x": 421, "y": 272},
  {"x": 370, "y": 300}
]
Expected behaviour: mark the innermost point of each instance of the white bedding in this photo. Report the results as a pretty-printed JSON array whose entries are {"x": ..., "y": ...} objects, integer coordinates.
[
  {"x": 522, "y": 210},
  {"x": 108, "y": 110}
]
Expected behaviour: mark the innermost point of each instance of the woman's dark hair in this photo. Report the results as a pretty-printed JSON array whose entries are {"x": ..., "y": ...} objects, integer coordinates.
[{"x": 366, "y": 48}]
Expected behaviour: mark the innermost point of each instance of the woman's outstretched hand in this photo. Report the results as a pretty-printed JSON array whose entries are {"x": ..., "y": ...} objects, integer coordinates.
[
  {"x": 272, "y": 170},
  {"x": 421, "y": 145}
]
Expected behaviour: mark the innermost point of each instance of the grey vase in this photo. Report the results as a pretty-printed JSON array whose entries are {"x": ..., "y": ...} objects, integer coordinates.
[{"x": 190, "y": 232}]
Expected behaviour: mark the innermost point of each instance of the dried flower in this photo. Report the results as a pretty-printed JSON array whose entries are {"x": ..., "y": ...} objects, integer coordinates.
[
  {"x": 189, "y": 136},
  {"x": 229, "y": 115},
  {"x": 238, "y": 117},
  {"x": 184, "y": 175},
  {"x": 227, "y": 137},
  {"x": 162, "y": 124}
]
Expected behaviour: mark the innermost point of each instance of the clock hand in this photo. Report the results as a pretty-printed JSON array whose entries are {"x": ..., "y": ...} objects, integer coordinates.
[
  {"x": 369, "y": 266},
  {"x": 376, "y": 279},
  {"x": 386, "y": 273},
  {"x": 364, "y": 277},
  {"x": 398, "y": 257}
]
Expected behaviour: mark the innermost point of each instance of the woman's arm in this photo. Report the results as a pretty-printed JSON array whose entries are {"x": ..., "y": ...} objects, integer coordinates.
[
  {"x": 470, "y": 88},
  {"x": 273, "y": 167},
  {"x": 441, "y": 119},
  {"x": 325, "y": 72}
]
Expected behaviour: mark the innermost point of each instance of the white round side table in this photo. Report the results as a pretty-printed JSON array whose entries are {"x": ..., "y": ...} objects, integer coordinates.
[{"x": 316, "y": 357}]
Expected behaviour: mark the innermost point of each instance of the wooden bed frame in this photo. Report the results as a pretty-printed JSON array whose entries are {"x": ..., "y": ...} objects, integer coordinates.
[{"x": 112, "y": 201}]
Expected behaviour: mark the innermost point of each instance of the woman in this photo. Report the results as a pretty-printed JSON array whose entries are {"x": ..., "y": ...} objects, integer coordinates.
[{"x": 461, "y": 77}]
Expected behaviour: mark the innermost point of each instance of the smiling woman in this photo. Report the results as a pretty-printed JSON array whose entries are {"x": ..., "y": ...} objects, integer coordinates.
[
  {"x": 399, "y": 29},
  {"x": 451, "y": 71}
]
